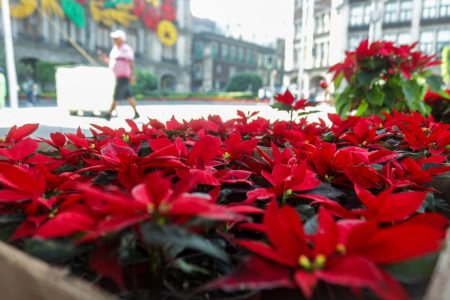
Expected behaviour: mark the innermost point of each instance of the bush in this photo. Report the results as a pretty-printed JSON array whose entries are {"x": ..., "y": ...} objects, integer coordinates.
[
  {"x": 242, "y": 82},
  {"x": 446, "y": 64},
  {"x": 45, "y": 74},
  {"x": 146, "y": 82}
]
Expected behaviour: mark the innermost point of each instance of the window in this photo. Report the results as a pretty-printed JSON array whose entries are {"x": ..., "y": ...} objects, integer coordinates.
[
  {"x": 198, "y": 49},
  {"x": 248, "y": 57},
  {"x": 214, "y": 49},
  {"x": 390, "y": 37},
  {"x": 367, "y": 14},
  {"x": 405, "y": 10},
  {"x": 443, "y": 40},
  {"x": 326, "y": 23},
  {"x": 426, "y": 42},
  {"x": 232, "y": 53},
  {"x": 444, "y": 10},
  {"x": 356, "y": 16},
  {"x": 325, "y": 54},
  {"x": 404, "y": 38},
  {"x": 240, "y": 54},
  {"x": 390, "y": 12},
  {"x": 354, "y": 40},
  {"x": 198, "y": 72},
  {"x": 224, "y": 51},
  {"x": 429, "y": 10},
  {"x": 219, "y": 69}
]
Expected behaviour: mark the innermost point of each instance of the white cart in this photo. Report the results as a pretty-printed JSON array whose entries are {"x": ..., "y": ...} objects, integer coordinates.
[{"x": 85, "y": 90}]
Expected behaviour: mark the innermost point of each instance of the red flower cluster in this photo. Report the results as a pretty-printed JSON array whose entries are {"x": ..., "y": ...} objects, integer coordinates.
[
  {"x": 398, "y": 59},
  {"x": 339, "y": 202}
]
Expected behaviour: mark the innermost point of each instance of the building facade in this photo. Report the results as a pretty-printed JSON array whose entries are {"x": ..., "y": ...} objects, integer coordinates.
[
  {"x": 159, "y": 32},
  {"x": 216, "y": 58},
  {"x": 333, "y": 26}
]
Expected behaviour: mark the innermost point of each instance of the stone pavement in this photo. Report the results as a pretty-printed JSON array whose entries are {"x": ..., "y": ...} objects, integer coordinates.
[{"x": 53, "y": 119}]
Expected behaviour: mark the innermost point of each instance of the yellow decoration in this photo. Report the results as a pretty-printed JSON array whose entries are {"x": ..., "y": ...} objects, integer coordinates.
[
  {"x": 52, "y": 7},
  {"x": 154, "y": 3},
  {"x": 110, "y": 16},
  {"x": 23, "y": 9},
  {"x": 167, "y": 33}
]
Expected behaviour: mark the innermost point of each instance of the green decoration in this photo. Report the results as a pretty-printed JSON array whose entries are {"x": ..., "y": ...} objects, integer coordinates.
[
  {"x": 115, "y": 3},
  {"x": 75, "y": 12}
]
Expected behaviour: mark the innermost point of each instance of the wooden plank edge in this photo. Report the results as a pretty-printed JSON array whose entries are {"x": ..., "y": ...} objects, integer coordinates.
[
  {"x": 439, "y": 287},
  {"x": 23, "y": 277}
]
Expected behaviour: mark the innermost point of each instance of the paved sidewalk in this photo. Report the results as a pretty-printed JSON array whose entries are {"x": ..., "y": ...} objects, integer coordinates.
[{"x": 53, "y": 119}]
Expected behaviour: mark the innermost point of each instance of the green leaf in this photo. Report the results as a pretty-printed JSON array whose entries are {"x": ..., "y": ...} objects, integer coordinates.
[
  {"x": 343, "y": 102},
  {"x": 375, "y": 96},
  {"x": 362, "y": 108},
  {"x": 326, "y": 190},
  {"x": 338, "y": 81},
  {"x": 312, "y": 225},
  {"x": 54, "y": 251},
  {"x": 412, "y": 93},
  {"x": 281, "y": 106},
  {"x": 305, "y": 113},
  {"x": 435, "y": 82},
  {"x": 366, "y": 78},
  {"x": 189, "y": 268},
  {"x": 414, "y": 271},
  {"x": 175, "y": 236}
]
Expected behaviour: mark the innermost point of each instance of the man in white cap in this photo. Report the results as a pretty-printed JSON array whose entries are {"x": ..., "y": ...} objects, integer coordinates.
[{"x": 121, "y": 61}]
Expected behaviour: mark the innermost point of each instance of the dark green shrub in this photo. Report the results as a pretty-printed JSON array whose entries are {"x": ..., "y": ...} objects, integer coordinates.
[
  {"x": 242, "y": 82},
  {"x": 146, "y": 82}
]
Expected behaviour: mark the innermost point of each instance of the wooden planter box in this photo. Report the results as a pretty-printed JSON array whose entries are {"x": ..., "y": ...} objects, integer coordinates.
[{"x": 23, "y": 277}]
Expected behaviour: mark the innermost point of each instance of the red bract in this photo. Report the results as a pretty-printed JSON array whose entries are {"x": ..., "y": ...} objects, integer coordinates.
[
  {"x": 332, "y": 255},
  {"x": 387, "y": 206},
  {"x": 16, "y": 134},
  {"x": 154, "y": 200},
  {"x": 363, "y": 135},
  {"x": 285, "y": 180},
  {"x": 286, "y": 98}
]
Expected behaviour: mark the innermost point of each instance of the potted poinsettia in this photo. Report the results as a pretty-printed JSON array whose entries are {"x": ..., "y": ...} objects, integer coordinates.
[{"x": 382, "y": 77}]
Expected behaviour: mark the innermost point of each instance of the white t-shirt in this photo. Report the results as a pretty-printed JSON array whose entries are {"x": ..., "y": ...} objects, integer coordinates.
[{"x": 120, "y": 60}]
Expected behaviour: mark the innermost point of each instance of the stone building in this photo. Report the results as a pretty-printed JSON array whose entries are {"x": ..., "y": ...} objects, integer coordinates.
[
  {"x": 332, "y": 26},
  {"x": 159, "y": 32},
  {"x": 216, "y": 58}
]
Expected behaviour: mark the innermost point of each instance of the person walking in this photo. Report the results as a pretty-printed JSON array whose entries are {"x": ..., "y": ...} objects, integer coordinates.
[
  {"x": 121, "y": 61},
  {"x": 2, "y": 88},
  {"x": 28, "y": 88}
]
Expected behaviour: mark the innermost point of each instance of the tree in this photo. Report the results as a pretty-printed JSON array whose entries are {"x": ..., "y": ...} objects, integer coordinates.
[
  {"x": 146, "y": 82},
  {"x": 242, "y": 82}
]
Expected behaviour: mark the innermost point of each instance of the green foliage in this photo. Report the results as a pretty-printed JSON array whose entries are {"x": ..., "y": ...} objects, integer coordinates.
[
  {"x": 45, "y": 73},
  {"x": 381, "y": 77},
  {"x": 242, "y": 82},
  {"x": 445, "y": 67},
  {"x": 146, "y": 82}
]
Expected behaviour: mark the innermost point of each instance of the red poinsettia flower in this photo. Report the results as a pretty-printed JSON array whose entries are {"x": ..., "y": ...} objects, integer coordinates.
[
  {"x": 342, "y": 254},
  {"x": 16, "y": 134},
  {"x": 285, "y": 181},
  {"x": 387, "y": 206},
  {"x": 155, "y": 200}
]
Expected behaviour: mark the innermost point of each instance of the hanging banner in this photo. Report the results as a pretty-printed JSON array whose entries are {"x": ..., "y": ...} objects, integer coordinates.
[
  {"x": 23, "y": 9},
  {"x": 52, "y": 7},
  {"x": 75, "y": 12}
]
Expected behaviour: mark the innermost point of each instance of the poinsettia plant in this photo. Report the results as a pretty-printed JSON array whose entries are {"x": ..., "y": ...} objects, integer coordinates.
[
  {"x": 209, "y": 207},
  {"x": 382, "y": 77}
]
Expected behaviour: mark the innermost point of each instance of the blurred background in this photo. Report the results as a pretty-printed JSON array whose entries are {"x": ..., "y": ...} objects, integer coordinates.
[{"x": 211, "y": 49}]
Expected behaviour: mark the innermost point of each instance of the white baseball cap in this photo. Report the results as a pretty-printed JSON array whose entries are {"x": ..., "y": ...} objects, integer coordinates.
[{"x": 119, "y": 34}]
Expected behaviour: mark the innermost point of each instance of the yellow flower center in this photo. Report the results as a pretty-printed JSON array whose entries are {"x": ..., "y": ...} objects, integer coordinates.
[
  {"x": 126, "y": 138},
  {"x": 226, "y": 156},
  {"x": 340, "y": 248}
]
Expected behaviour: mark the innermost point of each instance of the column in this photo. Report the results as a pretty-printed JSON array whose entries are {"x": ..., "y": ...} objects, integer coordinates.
[{"x": 415, "y": 22}]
